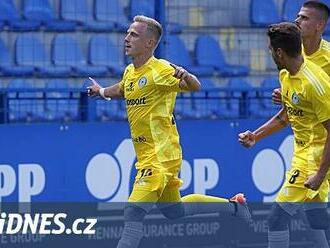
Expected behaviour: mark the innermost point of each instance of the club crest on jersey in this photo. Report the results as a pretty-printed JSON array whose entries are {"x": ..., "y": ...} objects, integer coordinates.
[
  {"x": 142, "y": 82},
  {"x": 295, "y": 98}
]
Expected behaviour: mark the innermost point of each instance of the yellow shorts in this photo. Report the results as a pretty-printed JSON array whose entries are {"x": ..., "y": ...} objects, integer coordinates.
[
  {"x": 153, "y": 184},
  {"x": 293, "y": 190}
]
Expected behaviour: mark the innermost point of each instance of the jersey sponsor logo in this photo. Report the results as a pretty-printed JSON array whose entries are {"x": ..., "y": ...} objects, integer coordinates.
[
  {"x": 295, "y": 98},
  {"x": 295, "y": 112},
  {"x": 136, "y": 102},
  {"x": 142, "y": 82}
]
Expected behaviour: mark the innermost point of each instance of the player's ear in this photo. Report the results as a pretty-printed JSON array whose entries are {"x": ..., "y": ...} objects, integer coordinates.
[
  {"x": 151, "y": 43},
  {"x": 279, "y": 52}
]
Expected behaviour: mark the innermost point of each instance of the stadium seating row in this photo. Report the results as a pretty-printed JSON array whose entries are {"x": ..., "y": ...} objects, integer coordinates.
[
  {"x": 110, "y": 15},
  {"x": 105, "y": 15},
  {"x": 104, "y": 58},
  {"x": 248, "y": 13},
  {"x": 66, "y": 59},
  {"x": 57, "y": 101}
]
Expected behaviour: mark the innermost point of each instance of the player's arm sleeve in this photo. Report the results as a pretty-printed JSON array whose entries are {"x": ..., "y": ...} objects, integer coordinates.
[
  {"x": 122, "y": 82},
  {"x": 320, "y": 97},
  {"x": 164, "y": 79}
]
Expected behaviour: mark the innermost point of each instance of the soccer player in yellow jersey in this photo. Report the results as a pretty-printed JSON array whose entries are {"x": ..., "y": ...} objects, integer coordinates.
[
  {"x": 312, "y": 20},
  {"x": 149, "y": 86},
  {"x": 305, "y": 95}
]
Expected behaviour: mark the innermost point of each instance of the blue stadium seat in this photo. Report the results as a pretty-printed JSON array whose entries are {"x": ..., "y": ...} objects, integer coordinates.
[
  {"x": 103, "y": 52},
  {"x": 42, "y": 11},
  {"x": 59, "y": 106},
  {"x": 111, "y": 11},
  {"x": 291, "y": 9},
  {"x": 31, "y": 52},
  {"x": 24, "y": 106},
  {"x": 142, "y": 7},
  {"x": 12, "y": 18},
  {"x": 208, "y": 53},
  {"x": 183, "y": 58},
  {"x": 66, "y": 52},
  {"x": 79, "y": 12},
  {"x": 7, "y": 67},
  {"x": 263, "y": 13}
]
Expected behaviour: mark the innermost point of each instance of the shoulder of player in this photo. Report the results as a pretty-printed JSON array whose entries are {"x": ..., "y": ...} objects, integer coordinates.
[
  {"x": 283, "y": 74},
  {"x": 316, "y": 78},
  {"x": 128, "y": 69},
  {"x": 161, "y": 66},
  {"x": 325, "y": 45}
]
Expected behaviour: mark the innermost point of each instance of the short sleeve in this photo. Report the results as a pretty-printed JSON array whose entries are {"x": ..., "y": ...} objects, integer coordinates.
[
  {"x": 164, "y": 79},
  {"x": 122, "y": 81},
  {"x": 319, "y": 95}
]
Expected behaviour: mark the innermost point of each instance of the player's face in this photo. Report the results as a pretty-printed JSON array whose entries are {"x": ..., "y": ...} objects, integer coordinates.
[
  {"x": 136, "y": 39},
  {"x": 276, "y": 57},
  {"x": 308, "y": 19}
]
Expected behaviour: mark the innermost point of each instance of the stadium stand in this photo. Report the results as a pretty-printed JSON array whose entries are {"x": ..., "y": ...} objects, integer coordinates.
[
  {"x": 8, "y": 68},
  {"x": 263, "y": 13},
  {"x": 66, "y": 52},
  {"x": 42, "y": 11},
  {"x": 53, "y": 39},
  {"x": 111, "y": 11},
  {"x": 79, "y": 12},
  {"x": 183, "y": 58},
  {"x": 12, "y": 18},
  {"x": 31, "y": 52},
  {"x": 291, "y": 9},
  {"x": 209, "y": 54},
  {"x": 104, "y": 53}
]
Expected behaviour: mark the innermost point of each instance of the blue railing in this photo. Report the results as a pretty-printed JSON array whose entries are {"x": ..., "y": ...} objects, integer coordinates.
[{"x": 73, "y": 105}]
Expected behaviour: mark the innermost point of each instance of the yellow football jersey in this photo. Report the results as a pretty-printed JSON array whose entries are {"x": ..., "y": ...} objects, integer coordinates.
[
  {"x": 150, "y": 92},
  {"x": 306, "y": 97},
  {"x": 321, "y": 57}
]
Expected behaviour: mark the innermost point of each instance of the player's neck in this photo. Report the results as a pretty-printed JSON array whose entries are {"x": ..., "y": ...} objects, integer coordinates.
[
  {"x": 311, "y": 45},
  {"x": 140, "y": 60},
  {"x": 294, "y": 65}
]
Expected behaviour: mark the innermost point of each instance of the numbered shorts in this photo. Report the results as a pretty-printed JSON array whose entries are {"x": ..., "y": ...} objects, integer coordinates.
[
  {"x": 155, "y": 185},
  {"x": 294, "y": 195}
]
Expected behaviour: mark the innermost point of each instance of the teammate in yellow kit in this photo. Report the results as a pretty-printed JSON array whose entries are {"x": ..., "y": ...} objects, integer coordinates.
[
  {"x": 149, "y": 86},
  {"x": 312, "y": 19},
  {"x": 305, "y": 92}
]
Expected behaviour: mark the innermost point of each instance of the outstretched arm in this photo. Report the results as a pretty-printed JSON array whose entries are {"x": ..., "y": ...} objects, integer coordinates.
[
  {"x": 276, "y": 123},
  {"x": 113, "y": 91}
]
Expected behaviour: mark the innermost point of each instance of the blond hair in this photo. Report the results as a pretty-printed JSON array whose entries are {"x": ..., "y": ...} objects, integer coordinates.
[{"x": 153, "y": 27}]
